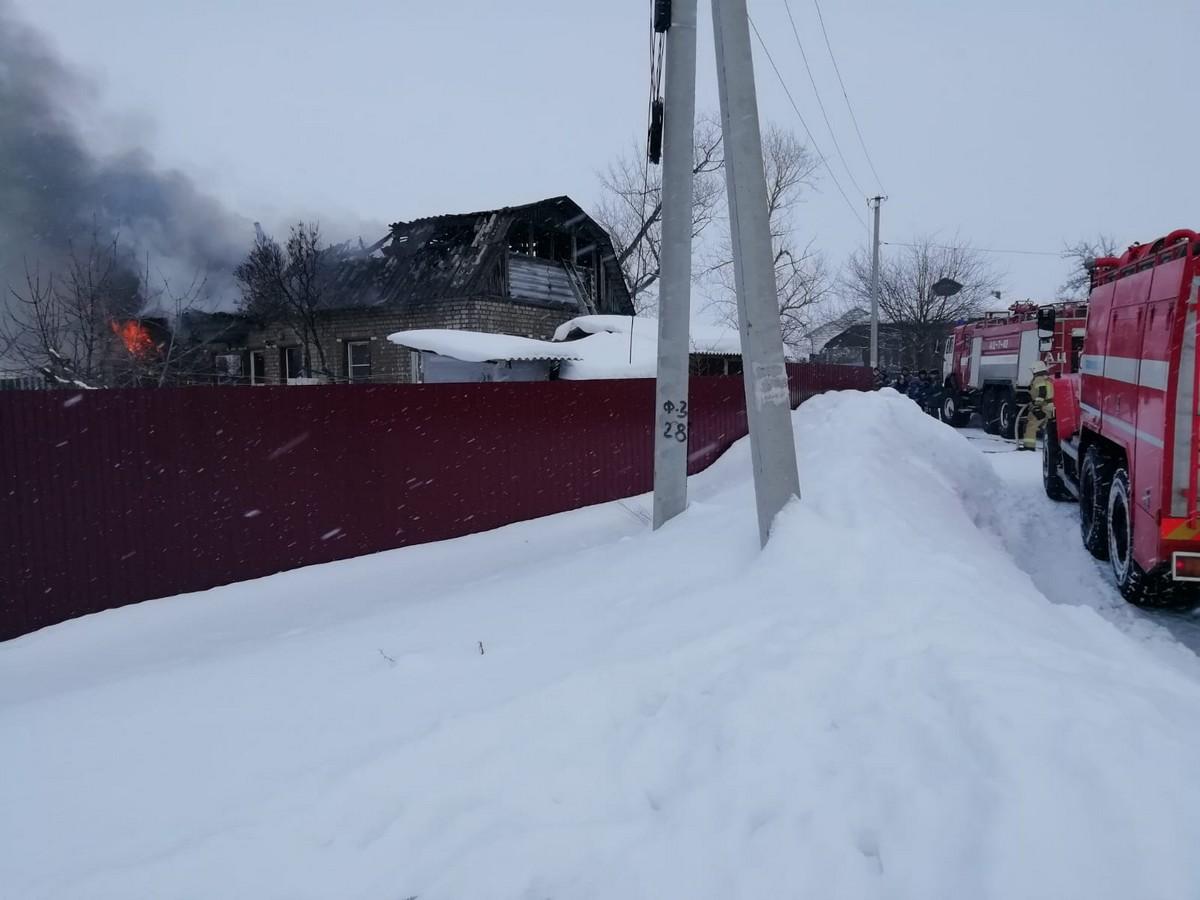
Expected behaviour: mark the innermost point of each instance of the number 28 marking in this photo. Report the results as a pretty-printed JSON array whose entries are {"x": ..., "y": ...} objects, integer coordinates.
[{"x": 677, "y": 430}]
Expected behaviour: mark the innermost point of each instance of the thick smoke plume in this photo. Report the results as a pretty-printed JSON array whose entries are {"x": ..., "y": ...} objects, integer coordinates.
[{"x": 55, "y": 190}]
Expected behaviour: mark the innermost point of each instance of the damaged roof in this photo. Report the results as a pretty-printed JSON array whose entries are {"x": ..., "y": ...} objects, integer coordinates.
[
  {"x": 218, "y": 327},
  {"x": 458, "y": 255}
]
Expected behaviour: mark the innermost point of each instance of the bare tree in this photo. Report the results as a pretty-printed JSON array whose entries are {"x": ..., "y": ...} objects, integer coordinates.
[
  {"x": 175, "y": 356},
  {"x": 631, "y": 208},
  {"x": 1079, "y": 255},
  {"x": 918, "y": 316},
  {"x": 97, "y": 321},
  {"x": 33, "y": 323},
  {"x": 289, "y": 283},
  {"x": 802, "y": 279},
  {"x": 60, "y": 322},
  {"x": 804, "y": 284}
]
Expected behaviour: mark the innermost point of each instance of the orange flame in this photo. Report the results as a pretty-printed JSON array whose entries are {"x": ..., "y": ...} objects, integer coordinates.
[{"x": 135, "y": 337}]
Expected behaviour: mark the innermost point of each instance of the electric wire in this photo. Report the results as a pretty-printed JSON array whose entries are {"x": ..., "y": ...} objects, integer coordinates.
[
  {"x": 808, "y": 131},
  {"x": 853, "y": 118},
  {"x": 820, "y": 103},
  {"x": 1057, "y": 253}
]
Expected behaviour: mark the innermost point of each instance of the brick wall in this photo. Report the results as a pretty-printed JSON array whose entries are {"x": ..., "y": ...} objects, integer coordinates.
[{"x": 391, "y": 364}]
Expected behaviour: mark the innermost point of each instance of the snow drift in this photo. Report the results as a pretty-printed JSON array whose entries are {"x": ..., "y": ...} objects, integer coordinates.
[{"x": 880, "y": 704}]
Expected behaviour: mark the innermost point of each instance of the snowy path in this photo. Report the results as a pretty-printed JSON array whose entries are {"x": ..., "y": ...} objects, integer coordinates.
[
  {"x": 1044, "y": 538},
  {"x": 882, "y": 704}
]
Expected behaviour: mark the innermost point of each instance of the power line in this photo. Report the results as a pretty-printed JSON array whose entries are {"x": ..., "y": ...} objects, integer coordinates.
[
  {"x": 1057, "y": 253},
  {"x": 820, "y": 102},
  {"x": 807, "y": 130},
  {"x": 853, "y": 118}
]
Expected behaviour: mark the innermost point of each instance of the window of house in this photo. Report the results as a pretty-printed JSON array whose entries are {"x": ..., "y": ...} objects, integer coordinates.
[
  {"x": 358, "y": 361},
  {"x": 228, "y": 367},
  {"x": 292, "y": 362},
  {"x": 258, "y": 367}
]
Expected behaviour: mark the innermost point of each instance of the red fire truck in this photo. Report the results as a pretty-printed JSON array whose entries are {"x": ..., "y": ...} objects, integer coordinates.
[
  {"x": 988, "y": 363},
  {"x": 1125, "y": 434}
]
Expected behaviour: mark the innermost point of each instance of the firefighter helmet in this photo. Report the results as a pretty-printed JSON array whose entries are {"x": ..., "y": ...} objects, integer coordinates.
[{"x": 1039, "y": 367}]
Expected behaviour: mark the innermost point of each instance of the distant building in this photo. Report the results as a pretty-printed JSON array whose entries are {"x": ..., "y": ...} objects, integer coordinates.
[
  {"x": 852, "y": 347},
  {"x": 812, "y": 344},
  {"x": 847, "y": 342}
]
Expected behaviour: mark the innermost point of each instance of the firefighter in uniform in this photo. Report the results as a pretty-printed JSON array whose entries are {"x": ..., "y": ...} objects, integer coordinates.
[{"x": 1041, "y": 405}]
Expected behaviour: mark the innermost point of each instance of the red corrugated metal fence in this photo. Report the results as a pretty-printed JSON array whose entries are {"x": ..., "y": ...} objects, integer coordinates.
[{"x": 116, "y": 496}]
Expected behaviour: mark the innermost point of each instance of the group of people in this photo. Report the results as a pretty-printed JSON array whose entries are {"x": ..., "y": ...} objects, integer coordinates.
[{"x": 923, "y": 387}]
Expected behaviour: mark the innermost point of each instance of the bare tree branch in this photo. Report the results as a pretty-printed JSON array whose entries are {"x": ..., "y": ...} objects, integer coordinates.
[
  {"x": 802, "y": 279},
  {"x": 91, "y": 321},
  {"x": 906, "y": 300},
  {"x": 63, "y": 322},
  {"x": 289, "y": 283},
  {"x": 1079, "y": 254},
  {"x": 631, "y": 208}
]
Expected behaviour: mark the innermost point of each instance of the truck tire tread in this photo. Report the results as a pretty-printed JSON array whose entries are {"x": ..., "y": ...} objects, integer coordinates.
[
  {"x": 1006, "y": 415},
  {"x": 1095, "y": 476},
  {"x": 951, "y": 411},
  {"x": 1052, "y": 481}
]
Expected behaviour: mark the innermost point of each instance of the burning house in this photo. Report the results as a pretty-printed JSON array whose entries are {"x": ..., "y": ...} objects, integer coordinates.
[
  {"x": 520, "y": 270},
  {"x": 197, "y": 348}
]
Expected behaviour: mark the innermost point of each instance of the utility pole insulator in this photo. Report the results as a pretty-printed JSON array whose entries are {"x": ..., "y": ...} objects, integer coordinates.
[
  {"x": 662, "y": 15},
  {"x": 654, "y": 140}
]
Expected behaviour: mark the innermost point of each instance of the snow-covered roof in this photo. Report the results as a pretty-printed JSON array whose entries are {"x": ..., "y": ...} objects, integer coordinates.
[
  {"x": 814, "y": 341},
  {"x": 628, "y": 350},
  {"x": 704, "y": 338},
  {"x": 589, "y": 347},
  {"x": 477, "y": 346}
]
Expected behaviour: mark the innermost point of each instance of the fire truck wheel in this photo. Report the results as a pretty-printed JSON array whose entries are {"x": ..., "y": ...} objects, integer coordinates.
[
  {"x": 950, "y": 411},
  {"x": 1094, "y": 478},
  {"x": 1006, "y": 417},
  {"x": 1051, "y": 455},
  {"x": 1153, "y": 590},
  {"x": 1130, "y": 579},
  {"x": 989, "y": 412}
]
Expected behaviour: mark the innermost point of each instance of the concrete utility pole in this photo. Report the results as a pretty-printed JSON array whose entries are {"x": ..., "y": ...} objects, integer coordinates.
[
  {"x": 768, "y": 400},
  {"x": 876, "y": 202},
  {"x": 674, "y": 296}
]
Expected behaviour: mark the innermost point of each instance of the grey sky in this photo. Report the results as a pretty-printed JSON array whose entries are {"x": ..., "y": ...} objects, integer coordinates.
[{"x": 1016, "y": 125}]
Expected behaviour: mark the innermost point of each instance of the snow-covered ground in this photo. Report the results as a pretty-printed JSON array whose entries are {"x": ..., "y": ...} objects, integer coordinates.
[
  {"x": 1043, "y": 537},
  {"x": 884, "y": 703}
]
